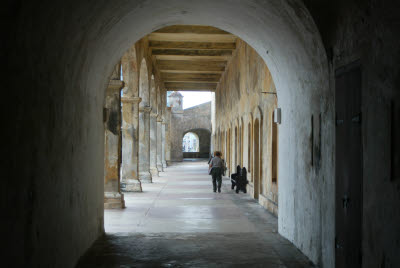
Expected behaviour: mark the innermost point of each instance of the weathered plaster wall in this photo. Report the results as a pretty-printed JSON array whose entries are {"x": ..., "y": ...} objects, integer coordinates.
[
  {"x": 245, "y": 93},
  {"x": 183, "y": 121},
  {"x": 368, "y": 31}
]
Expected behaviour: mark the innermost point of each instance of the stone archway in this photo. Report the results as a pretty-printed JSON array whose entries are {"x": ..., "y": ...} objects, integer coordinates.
[
  {"x": 204, "y": 136},
  {"x": 284, "y": 35},
  {"x": 256, "y": 159}
]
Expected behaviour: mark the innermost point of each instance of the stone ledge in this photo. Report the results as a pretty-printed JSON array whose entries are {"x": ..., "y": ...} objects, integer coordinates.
[{"x": 131, "y": 99}]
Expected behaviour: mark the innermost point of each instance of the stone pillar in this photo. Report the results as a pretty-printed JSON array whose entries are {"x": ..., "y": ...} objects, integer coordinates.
[
  {"x": 113, "y": 198},
  {"x": 144, "y": 144},
  {"x": 153, "y": 145},
  {"x": 166, "y": 138},
  {"x": 130, "y": 145},
  {"x": 164, "y": 162},
  {"x": 159, "y": 144}
]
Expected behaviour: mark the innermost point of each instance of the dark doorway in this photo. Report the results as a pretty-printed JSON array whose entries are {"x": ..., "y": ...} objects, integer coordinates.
[
  {"x": 348, "y": 166},
  {"x": 256, "y": 158}
]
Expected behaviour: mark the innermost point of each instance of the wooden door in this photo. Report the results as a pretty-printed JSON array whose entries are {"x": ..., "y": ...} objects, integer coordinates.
[{"x": 348, "y": 167}]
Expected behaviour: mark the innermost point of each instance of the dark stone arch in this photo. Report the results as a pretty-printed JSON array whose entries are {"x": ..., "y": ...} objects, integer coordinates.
[{"x": 204, "y": 143}]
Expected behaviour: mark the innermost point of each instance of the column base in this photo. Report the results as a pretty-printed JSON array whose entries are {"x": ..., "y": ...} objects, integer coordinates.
[
  {"x": 113, "y": 200},
  {"x": 154, "y": 172},
  {"x": 145, "y": 177},
  {"x": 164, "y": 164},
  {"x": 160, "y": 167},
  {"x": 131, "y": 185}
]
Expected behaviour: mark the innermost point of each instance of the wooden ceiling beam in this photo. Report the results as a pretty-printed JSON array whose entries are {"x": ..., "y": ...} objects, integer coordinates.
[
  {"x": 190, "y": 37},
  {"x": 192, "y": 71},
  {"x": 190, "y": 77},
  {"x": 190, "y": 89},
  {"x": 192, "y": 58},
  {"x": 191, "y": 45},
  {"x": 198, "y": 29},
  {"x": 191, "y": 52},
  {"x": 190, "y": 86},
  {"x": 191, "y": 65}
]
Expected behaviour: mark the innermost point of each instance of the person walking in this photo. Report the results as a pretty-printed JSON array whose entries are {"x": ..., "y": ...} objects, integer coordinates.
[{"x": 216, "y": 165}]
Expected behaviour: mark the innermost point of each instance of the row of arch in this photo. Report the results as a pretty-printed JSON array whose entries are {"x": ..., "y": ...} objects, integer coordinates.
[
  {"x": 242, "y": 142},
  {"x": 134, "y": 126},
  {"x": 140, "y": 79}
]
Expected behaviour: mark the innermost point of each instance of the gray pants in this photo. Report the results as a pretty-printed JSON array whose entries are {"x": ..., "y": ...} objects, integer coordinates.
[{"x": 216, "y": 173}]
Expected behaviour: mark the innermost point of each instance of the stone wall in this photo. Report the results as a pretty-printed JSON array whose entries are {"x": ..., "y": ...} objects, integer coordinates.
[
  {"x": 367, "y": 32},
  {"x": 196, "y": 119},
  {"x": 247, "y": 93}
]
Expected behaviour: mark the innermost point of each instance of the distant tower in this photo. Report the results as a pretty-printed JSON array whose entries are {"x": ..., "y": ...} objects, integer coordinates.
[{"x": 175, "y": 101}]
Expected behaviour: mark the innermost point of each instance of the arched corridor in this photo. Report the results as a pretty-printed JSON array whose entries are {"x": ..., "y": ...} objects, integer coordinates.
[
  {"x": 306, "y": 98},
  {"x": 179, "y": 222}
]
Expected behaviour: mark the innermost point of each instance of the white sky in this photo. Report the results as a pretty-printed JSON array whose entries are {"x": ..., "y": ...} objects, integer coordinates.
[{"x": 193, "y": 98}]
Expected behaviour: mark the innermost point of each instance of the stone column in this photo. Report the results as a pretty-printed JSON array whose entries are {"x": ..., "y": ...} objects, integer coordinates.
[
  {"x": 130, "y": 145},
  {"x": 164, "y": 162},
  {"x": 144, "y": 144},
  {"x": 159, "y": 144},
  {"x": 113, "y": 198},
  {"x": 153, "y": 145},
  {"x": 166, "y": 138}
]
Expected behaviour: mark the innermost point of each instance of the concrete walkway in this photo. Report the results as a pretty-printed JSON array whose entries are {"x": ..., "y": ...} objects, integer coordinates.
[{"x": 179, "y": 222}]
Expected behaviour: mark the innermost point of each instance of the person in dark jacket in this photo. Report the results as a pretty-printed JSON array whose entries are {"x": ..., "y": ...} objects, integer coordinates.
[{"x": 216, "y": 165}]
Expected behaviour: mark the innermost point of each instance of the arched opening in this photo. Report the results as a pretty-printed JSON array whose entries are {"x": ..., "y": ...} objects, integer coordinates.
[
  {"x": 256, "y": 158},
  {"x": 228, "y": 152},
  {"x": 274, "y": 158},
  {"x": 236, "y": 154},
  {"x": 196, "y": 144},
  {"x": 272, "y": 32},
  {"x": 241, "y": 143},
  {"x": 224, "y": 152},
  {"x": 190, "y": 143},
  {"x": 249, "y": 151}
]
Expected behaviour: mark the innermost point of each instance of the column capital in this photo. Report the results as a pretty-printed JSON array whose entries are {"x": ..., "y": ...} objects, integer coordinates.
[
  {"x": 159, "y": 118},
  {"x": 154, "y": 114},
  {"x": 115, "y": 85},
  {"x": 146, "y": 109},
  {"x": 131, "y": 100}
]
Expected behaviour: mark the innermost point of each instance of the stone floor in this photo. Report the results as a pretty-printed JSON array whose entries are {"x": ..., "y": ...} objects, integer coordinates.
[{"x": 179, "y": 222}]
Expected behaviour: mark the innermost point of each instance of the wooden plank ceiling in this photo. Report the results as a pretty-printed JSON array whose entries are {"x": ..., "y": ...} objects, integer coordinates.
[{"x": 191, "y": 58}]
